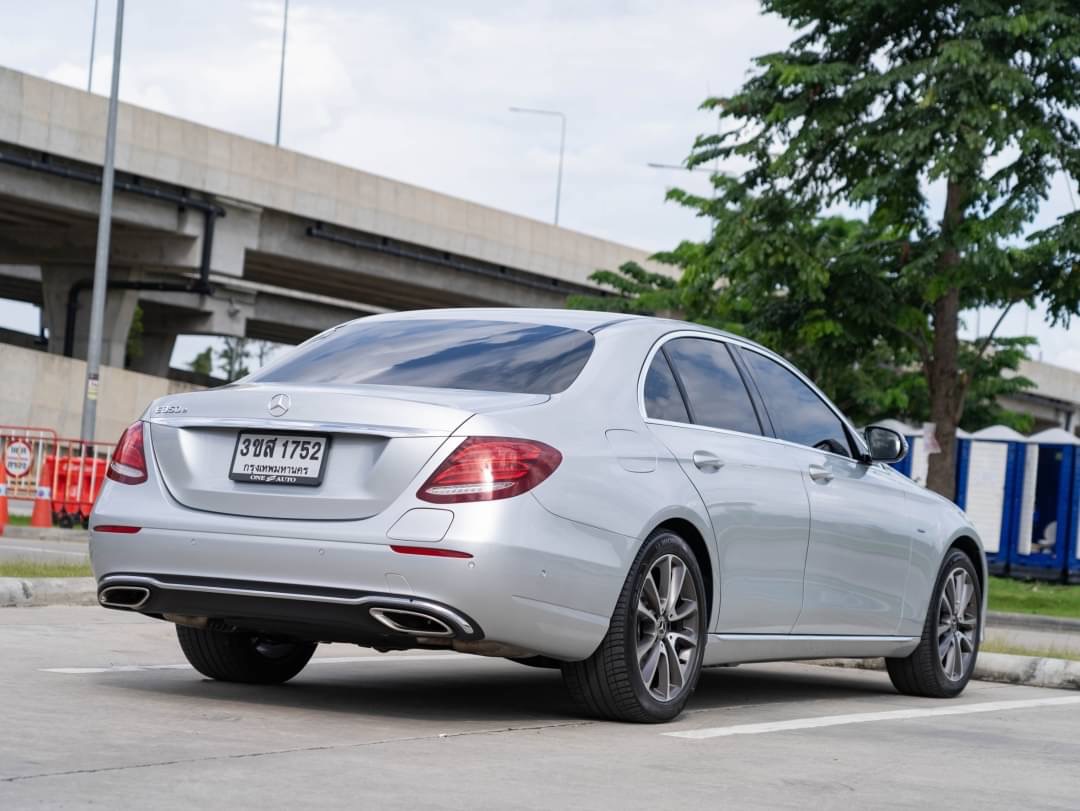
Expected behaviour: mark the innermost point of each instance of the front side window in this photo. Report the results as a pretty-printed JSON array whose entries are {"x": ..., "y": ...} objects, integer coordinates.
[
  {"x": 798, "y": 413},
  {"x": 439, "y": 353},
  {"x": 715, "y": 391}
]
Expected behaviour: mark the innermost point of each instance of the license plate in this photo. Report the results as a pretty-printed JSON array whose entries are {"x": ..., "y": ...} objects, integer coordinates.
[{"x": 279, "y": 458}]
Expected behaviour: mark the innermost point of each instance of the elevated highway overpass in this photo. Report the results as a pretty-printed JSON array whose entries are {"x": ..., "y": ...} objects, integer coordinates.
[{"x": 219, "y": 234}]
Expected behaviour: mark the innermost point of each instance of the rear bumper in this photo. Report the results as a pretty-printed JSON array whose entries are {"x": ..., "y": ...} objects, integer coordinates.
[
  {"x": 535, "y": 581},
  {"x": 305, "y": 612}
]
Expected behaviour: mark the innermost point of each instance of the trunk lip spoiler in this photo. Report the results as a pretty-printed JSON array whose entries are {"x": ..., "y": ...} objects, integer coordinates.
[{"x": 276, "y": 424}]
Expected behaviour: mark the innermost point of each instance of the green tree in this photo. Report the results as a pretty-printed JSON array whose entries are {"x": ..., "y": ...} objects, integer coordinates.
[
  {"x": 233, "y": 357},
  {"x": 945, "y": 122},
  {"x": 133, "y": 350},
  {"x": 203, "y": 363},
  {"x": 804, "y": 287}
]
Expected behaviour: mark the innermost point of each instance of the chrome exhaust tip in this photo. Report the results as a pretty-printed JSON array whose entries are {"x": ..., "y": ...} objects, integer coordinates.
[
  {"x": 131, "y": 598},
  {"x": 415, "y": 623}
]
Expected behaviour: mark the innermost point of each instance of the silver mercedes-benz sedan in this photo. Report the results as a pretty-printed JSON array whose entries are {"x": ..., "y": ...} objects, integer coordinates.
[{"x": 628, "y": 499}]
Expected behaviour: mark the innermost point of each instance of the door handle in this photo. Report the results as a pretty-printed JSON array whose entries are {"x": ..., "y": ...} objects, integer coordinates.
[
  {"x": 706, "y": 462},
  {"x": 820, "y": 474}
]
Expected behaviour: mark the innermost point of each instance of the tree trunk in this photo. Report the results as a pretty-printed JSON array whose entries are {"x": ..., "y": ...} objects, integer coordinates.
[
  {"x": 947, "y": 390},
  {"x": 946, "y": 393}
]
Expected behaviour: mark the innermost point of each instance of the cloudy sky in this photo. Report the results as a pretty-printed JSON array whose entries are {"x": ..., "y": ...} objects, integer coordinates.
[{"x": 420, "y": 91}]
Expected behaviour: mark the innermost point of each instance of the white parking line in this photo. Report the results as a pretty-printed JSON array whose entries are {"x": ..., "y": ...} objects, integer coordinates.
[
  {"x": 869, "y": 717},
  {"x": 325, "y": 660}
]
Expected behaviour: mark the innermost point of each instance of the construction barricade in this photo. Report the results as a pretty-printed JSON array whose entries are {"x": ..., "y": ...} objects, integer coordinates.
[{"x": 61, "y": 477}]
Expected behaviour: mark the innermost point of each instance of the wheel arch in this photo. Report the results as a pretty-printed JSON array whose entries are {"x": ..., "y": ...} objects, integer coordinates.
[
  {"x": 970, "y": 547},
  {"x": 696, "y": 541}
]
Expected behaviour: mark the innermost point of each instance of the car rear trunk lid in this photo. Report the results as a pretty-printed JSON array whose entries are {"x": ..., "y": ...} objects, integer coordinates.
[{"x": 379, "y": 439}]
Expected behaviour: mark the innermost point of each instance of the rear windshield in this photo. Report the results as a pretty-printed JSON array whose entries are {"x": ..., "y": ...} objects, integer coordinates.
[{"x": 479, "y": 355}]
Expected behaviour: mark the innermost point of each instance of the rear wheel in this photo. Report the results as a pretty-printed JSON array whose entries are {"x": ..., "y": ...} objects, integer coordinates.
[
  {"x": 243, "y": 657},
  {"x": 648, "y": 665},
  {"x": 942, "y": 664}
]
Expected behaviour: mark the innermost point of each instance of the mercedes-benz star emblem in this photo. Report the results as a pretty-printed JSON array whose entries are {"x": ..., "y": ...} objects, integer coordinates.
[{"x": 279, "y": 404}]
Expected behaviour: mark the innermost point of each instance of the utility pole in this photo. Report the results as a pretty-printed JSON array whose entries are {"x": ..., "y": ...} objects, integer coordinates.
[
  {"x": 101, "y": 258},
  {"x": 281, "y": 75},
  {"x": 562, "y": 148},
  {"x": 93, "y": 42}
]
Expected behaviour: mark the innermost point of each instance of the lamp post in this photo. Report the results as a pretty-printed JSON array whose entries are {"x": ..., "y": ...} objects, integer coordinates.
[
  {"x": 679, "y": 167},
  {"x": 101, "y": 257},
  {"x": 281, "y": 74},
  {"x": 562, "y": 147},
  {"x": 93, "y": 42}
]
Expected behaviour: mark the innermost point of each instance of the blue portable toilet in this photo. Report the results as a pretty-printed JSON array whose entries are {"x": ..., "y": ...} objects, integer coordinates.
[
  {"x": 990, "y": 467},
  {"x": 1045, "y": 515}
]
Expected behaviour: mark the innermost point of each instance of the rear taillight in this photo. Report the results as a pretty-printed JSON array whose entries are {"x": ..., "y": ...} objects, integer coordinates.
[
  {"x": 485, "y": 468},
  {"x": 128, "y": 463}
]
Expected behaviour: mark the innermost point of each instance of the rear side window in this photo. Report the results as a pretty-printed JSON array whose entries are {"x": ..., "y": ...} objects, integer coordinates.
[
  {"x": 798, "y": 414},
  {"x": 439, "y": 353},
  {"x": 714, "y": 388},
  {"x": 662, "y": 398}
]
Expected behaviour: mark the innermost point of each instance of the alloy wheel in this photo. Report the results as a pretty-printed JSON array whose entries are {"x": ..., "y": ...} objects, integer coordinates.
[
  {"x": 958, "y": 619},
  {"x": 667, "y": 620}
]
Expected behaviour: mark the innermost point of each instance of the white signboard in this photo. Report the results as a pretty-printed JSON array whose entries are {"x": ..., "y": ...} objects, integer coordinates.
[{"x": 18, "y": 457}]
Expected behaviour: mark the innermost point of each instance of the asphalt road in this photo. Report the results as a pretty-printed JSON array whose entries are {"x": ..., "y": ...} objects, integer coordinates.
[
  {"x": 99, "y": 709},
  {"x": 43, "y": 551}
]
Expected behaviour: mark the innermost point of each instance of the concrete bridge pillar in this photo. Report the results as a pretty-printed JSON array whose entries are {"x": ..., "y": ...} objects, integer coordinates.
[
  {"x": 157, "y": 348},
  {"x": 56, "y": 285}
]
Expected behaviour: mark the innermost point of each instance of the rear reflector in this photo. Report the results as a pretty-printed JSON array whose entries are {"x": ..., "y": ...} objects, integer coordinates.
[
  {"x": 128, "y": 463},
  {"x": 486, "y": 468},
  {"x": 430, "y": 551},
  {"x": 121, "y": 528}
]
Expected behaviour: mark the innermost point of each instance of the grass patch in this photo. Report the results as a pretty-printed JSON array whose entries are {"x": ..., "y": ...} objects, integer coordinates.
[
  {"x": 31, "y": 568},
  {"x": 1022, "y": 597},
  {"x": 19, "y": 520},
  {"x": 994, "y": 646}
]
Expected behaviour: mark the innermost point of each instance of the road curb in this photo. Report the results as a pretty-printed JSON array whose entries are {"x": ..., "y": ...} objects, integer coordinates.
[
  {"x": 1033, "y": 622},
  {"x": 35, "y": 591},
  {"x": 1032, "y": 671}
]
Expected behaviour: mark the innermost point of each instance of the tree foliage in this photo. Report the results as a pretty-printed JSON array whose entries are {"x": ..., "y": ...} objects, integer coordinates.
[
  {"x": 944, "y": 124},
  {"x": 203, "y": 362},
  {"x": 233, "y": 357}
]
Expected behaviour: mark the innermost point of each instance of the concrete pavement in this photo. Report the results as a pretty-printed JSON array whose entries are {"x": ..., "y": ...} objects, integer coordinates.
[{"x": 98, "y": 708}]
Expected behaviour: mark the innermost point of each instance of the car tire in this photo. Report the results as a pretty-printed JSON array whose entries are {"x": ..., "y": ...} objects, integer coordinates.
[
  {"x": 243, "y": 657},
  {"x": 942, "y": 664},
  {"x": 615, "y": 682}
]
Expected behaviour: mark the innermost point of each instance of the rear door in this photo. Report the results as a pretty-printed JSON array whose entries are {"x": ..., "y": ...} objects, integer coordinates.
[
  {"x": 697, "y": 404},
  {"x": 860, "y": 530}
]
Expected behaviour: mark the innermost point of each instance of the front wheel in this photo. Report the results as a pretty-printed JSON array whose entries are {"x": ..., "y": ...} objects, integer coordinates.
[
  {"x": 242, "y": 657},
  {"x": 649, "y": 662},
  {"x": 942, "y": 664}
]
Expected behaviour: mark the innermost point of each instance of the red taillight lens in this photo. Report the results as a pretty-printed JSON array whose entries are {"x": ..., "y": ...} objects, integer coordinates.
[
  {"x": 486, "y": 468},
  {"x": 128, "y": 463}
]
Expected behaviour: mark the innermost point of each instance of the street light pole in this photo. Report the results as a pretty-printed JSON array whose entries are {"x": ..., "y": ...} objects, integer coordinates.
[
  {"x": 101, "y": 258},
  {"x": 281, "y": 75},
  {"x": 653, "y": 165},
  {"x": 562, "y": 148},
  {"x": 93, "y": 42}
]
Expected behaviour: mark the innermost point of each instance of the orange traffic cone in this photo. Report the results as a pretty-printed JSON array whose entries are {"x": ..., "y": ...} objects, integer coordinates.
[
  {"x": 3, "y": 499},
  {"x": 42, "y": 514}
]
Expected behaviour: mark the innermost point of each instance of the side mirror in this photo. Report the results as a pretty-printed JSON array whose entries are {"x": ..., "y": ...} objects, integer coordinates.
[{"x": 885, "y": 444}]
